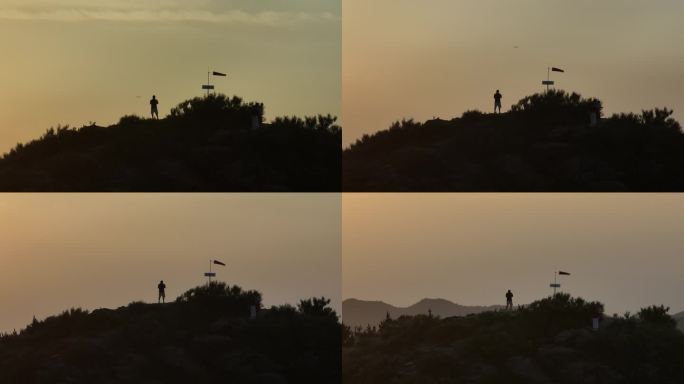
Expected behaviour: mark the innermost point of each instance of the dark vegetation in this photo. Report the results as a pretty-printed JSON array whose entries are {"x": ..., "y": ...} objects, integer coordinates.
[
  {"x": 549, "y": 341},
  {"x": 545, "y": 143},
  {"x": 206, "y": 336},
  {"x": 205, "y": 144}
]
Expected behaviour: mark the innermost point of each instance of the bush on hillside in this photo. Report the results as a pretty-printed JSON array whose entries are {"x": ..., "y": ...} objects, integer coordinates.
[
  {"x": 217, "y": 110},
  {"x": 220, "y": 293},
  {"x": 658, "y": 316},
  {"x": 561, "y": 311},
  {"x": 316, "y": 306},
  {"x": 557, "y": 106}
]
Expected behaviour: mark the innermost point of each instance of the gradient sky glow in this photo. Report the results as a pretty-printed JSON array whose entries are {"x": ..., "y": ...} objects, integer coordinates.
[
  {"x": 624, "y": 250},
  {"x": 81, "y": 61},
  {"x": 438, "y": 58},
  {"x": 59, "y": 251}
]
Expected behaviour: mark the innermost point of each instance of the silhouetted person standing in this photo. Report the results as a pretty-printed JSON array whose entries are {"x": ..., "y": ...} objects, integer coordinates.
[
  {"x": 153, "y": 105},
  {"x": 509, "y": 299},
  {"x": 162, "y": 292},
  {"x": 497, "y": 101}
]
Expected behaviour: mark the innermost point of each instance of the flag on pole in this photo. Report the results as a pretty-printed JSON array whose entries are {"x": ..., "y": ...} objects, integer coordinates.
[
  {"x": 554, "y": 69},
  {"x": 564, "y": 273},
  {"x": 219, "y": 263},
  {"x": 219, "y": 74}
]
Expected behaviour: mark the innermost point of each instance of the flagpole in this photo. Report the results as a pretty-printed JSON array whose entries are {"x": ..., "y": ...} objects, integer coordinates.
[
  {"x": 555, "y": 282},
  {"x": 209, "y": 271},
  {"x": 548, "y": 80}
]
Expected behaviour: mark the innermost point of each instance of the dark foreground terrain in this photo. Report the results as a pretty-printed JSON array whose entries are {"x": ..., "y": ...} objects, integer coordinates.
[
  {"x": 212, "y": 143},
  {"x": 549, "y": 341},
  {"x": 206, "y": 336},
  {"x": 546, "y": 143}
]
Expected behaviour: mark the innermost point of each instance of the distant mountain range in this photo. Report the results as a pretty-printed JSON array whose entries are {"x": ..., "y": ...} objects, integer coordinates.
[
  {"x": 367, "y": 312},
  {"x": 362, "y": 313}
]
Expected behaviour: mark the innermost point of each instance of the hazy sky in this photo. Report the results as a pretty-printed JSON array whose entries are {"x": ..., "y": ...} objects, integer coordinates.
[
  {"x": 426, "y": 58},
  {"x": 81, "y": 61},
  {"x": 623, "y": 250},
  {"x": 106, "y": 250}
]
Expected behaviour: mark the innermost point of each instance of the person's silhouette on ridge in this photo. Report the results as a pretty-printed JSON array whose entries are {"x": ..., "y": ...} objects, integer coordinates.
[
  {"x": 162, "y": 293},
  {"x": 153, "y": 105},
  {"x": 509, "y": 299},
  {"x": 497, "y": 101}
]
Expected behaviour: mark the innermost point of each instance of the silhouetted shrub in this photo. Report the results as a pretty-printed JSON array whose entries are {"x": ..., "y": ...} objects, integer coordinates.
[
  {"x": 283, "y": 311},
  {"x": 347, "y": 336},
  {"x": 472, "y": 115},
  {"x": 557, "y": 106},
  {"x": 324, "y": 123},
  {"x": 657, "y": 315},
  {"x": 220, "y": 296},
  {"x": 561, "y": 311},
  {"x": 130, "y": 120},
  {"x": 316, "y": 307},
  {"x": 219, "y": 111}
]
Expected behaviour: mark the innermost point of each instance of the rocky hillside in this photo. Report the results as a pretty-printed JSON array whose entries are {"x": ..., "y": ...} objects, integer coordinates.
[
  {"x": 546, "y": 143},
  {"x": 205, "y": 336}
]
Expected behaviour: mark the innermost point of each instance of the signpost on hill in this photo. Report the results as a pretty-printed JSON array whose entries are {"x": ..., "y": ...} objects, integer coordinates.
[
  {"x": 211, "y": 274},
  {"x": 548, "y": 82},
  {"x": 208, "y": 86},
  {"x": 555, "y": 285}
]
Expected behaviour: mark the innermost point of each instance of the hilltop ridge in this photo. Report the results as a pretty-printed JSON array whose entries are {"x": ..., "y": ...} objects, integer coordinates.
[
  {"x": 548, "y": 341},
  {"x": 212, "y": 143},
  {"x": 205, "y": 336},
  {"x": 545, "y": 143}
]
